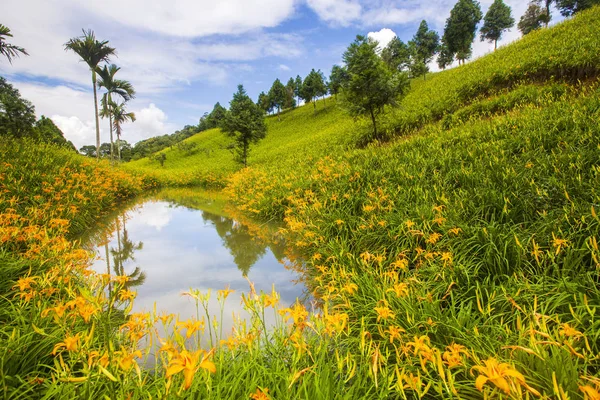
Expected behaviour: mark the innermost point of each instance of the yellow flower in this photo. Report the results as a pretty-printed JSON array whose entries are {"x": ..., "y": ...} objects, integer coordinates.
[
  {"x": 384, "y": 312},
  {"x": 568, "y": 331},
  {"x": 401, "y": 289},
  {"x": 433, "y": 238},
  {"x": 126, "y": 359},
  {"x": 497, "y": 373},
  {"x": 590, "y": 392},
  {"x": 455, "y": 231},
  {"x": 339, "y": 221},
  {"x": 189, "y": 363},
  {"x": 71, "y": 343},
  {"x": 125, "y": 295},
  {"x": 260, "y": 394},
  {"x": 350, "y": 288},
  {"x": 394, "y": 332},
  {"x": 559, "y": 243},
  {"x": 223, "y": 294},
  {"x": 191, "y": 326}
]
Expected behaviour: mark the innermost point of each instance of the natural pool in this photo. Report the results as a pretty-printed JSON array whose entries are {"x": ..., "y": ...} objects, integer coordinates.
[{"x": 168, "y": 248}]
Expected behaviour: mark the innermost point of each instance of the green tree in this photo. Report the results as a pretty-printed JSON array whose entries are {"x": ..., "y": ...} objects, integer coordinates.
[
  {"x": 533, "y": 18},
  {"x": 48, "y": 132},
  {"x": 461, "y": 27},
  {"x": 313, "y": 87},
  {"x": 264, "y": 103},
  {"x": 396, "y": 55},
  {"x": 277, "y": 94},
  {"x": 571, "y": 7},
  {"x": 17, "y": 115},
  {"x": 425, "y": 45},
  {"x": 92, "y": 52},
  {"x": 336, "y": 79},
  {"x": 245, "y": 123},
  {"x": 120, "y": 116},
  {"x": 547, "y": 16},
  {"x": 497, "y": 19},
  {"x": 297, "y": 88},
  {"x": 213, "y": 119},
  {"x": 370, "y": 85},
  {"x": 118, "y": 87},
  {"x": 445, "y": 56},
  {"x": 88, "y": 150},
  {"x": 8, "y": 50},
  {"x": 290, "y": 102}
]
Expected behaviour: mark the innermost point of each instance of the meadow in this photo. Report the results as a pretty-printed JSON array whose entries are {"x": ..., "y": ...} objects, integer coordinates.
[{"x": 458, "y": 259}]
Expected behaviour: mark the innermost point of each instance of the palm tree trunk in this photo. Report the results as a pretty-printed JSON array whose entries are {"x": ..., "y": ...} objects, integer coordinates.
[
  {"x": 96, "y": 115},
  {"x": 112, "y": 149},
  {"x": 119, "y": 145},
  {"x": 108, "y": 267}
]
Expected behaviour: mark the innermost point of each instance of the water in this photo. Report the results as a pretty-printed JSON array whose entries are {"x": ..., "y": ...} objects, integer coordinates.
[{"x": 167, "y": 248}]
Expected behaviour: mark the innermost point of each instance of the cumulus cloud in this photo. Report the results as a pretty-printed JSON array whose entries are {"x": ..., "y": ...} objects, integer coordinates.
[
  {"x": 150, "y": 121},
  {"x": 284, "y": 67},
  {"x": 342, "y": 12},
  {"x": 383, "y": 37}
]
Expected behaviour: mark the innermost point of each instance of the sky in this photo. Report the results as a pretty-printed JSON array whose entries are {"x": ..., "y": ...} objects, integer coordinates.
[{"x": 183, "y": 56}]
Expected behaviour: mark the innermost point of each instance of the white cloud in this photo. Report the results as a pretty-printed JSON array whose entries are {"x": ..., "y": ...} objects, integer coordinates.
[
  {"x": 383, "y": 37},
  {"x": 342, "y": 12},
  {"x": 150, "y": 121},
  {"x": 193, "y": 18},
  {"x": 284, "y": 67},
  {"x": 79, "y": 132}
]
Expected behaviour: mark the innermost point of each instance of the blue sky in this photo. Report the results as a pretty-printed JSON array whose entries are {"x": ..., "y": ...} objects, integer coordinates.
[{"x": 183, "y": 56}]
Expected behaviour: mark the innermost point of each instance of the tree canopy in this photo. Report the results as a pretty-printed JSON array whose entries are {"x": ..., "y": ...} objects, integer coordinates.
[
  {"x": 533, "y": 18},
  {"x": 370, "y": 85},
  {"x": 497, "y": 19},
  {"x": 277, "y": 95},
  {"x": 461, "y": 27},
  {"x": 396, "y": 55},
  {"x": 8, "y": 50},
  {"x": 424, "y": 46},
  {"x": 245, "y": 123},
  {"x": 313, "y": 87}
]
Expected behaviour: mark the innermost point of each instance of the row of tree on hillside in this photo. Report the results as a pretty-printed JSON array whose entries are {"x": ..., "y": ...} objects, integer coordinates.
[{"x": 539, "y": 12}]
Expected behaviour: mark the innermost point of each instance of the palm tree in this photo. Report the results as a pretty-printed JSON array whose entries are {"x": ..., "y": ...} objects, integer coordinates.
[
  {"x": 119, "y": 116},
  {"x": 7, "y": 49},
  {"x": 92, "y": 52},
  {"x": 119, "y": 87}
]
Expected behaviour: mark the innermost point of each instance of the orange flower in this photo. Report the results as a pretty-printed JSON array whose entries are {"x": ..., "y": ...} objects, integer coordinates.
[
  {"x": 260, "y": 394},
  {"x": 384, "y": 312},
  {"x": 191, "y": 326},
  {"x": 71, "y": 343},
  {"x": 497, "y": 373},
  {"x": 189, "y": 363}
]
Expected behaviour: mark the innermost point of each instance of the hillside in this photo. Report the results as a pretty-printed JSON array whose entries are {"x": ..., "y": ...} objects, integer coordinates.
[{"x": 568, "y": 52}]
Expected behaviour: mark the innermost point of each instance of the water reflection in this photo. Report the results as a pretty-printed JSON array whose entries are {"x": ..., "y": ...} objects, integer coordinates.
[{"x": 166, "y": 249}]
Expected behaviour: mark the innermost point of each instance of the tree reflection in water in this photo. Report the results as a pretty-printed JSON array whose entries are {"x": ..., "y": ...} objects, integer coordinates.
[
  {"x": 245, "y": 249},
  {"x": 125, "y": 252}
]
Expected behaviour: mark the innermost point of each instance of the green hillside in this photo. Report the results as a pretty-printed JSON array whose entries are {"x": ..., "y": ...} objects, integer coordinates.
[{"x": 568, "y": 52}]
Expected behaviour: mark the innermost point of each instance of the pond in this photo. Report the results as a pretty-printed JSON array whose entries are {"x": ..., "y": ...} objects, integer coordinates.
[{"x": 168, "y": 248}]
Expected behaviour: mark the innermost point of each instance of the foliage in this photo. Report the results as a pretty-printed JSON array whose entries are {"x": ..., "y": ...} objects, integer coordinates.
[
  {"x": 370, "y": 85},
  {"x": 396, "y": 55},
  {"x": 571, "y": 7},
  {"x": 8, "y": 50},
  {"x": 424, "y": 46},
  {"x": 497, "y": 19},
  {"x": 290, "y": 87},
  {"x": 213, "y": 119},
  {"x": 313, "y": 86},
  {"x": 48, "y": 132},
  {"x": 533, "y": 18},
  {"x": 445, "y": 57},
  {"x": 120, "y": 116},
  {"x": 243, "y": 122},
  {"x": 336, "y": 79},
  {"x": 461, "y": 26},
  {"x": 17, "y": 115},
  {"x": 277, "y": 95}
]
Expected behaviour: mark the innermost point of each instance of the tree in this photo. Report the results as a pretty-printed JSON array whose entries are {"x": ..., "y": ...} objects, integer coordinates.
[
  {"x": 8, "y": 50},
  {"x": 297, "y": 88},
  {"x": 213, "y": 119},
  {"x": 445, "y": 57},
  {"x": 264, "y": 103},
  {"x": 460, "y": 29},
  {"x": 120, "y": 116},
  {"x": 336, "y": 79},
  {"x": 17, "y": 115},
  {"x": 118, "y": 87},
  {"x": 546, "y": 16},
  {"x": 88, "y": 150},
  {"x": 290, "y": 102},
  {"x": 245, "y": 123},
  {"x": 277, "y": 94},
  {"x": 532, "y": 19},
  {"x": 370, "y": 85},
  {"x": 92, "y": 52},
  {"x": 424, "y": 46},
  {"x": 571, "y": 7},
  {"x": 396, "y": 55},
  {"x": 48, "y": 132},
  {"x": 313, "y": 87},
  {"x": 497, "y": 19}
]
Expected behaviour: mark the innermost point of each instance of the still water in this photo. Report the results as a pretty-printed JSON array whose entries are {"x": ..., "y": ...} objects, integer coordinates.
[{"x": 167, "y": 248}]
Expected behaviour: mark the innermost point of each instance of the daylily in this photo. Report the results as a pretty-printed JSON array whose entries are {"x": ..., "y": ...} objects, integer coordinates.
[
  {"x": 497, "y": 373},
  {"x": 189, "y": 363},
  {"x": 71, "y": 343}
]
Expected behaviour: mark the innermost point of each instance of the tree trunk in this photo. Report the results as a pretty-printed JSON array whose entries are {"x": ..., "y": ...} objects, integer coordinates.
[
  {"x": 96, "y": 115},
  {"x": 119, "y": 145},
  {"x": 314, "y": 107},
  {"x": 245, "y": 153},
  {"x": 495, "y": 44},
  {"x": 112, "y": 150},
  {"x": 374, "y": 123},
  {"x": 108, "y": 268},
  {"x": 324, "y": 102},
  {"x": 278, "y": 111}
]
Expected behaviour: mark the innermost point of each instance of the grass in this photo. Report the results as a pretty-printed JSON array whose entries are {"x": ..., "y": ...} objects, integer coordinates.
[{"x": 458, "y": 260}]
